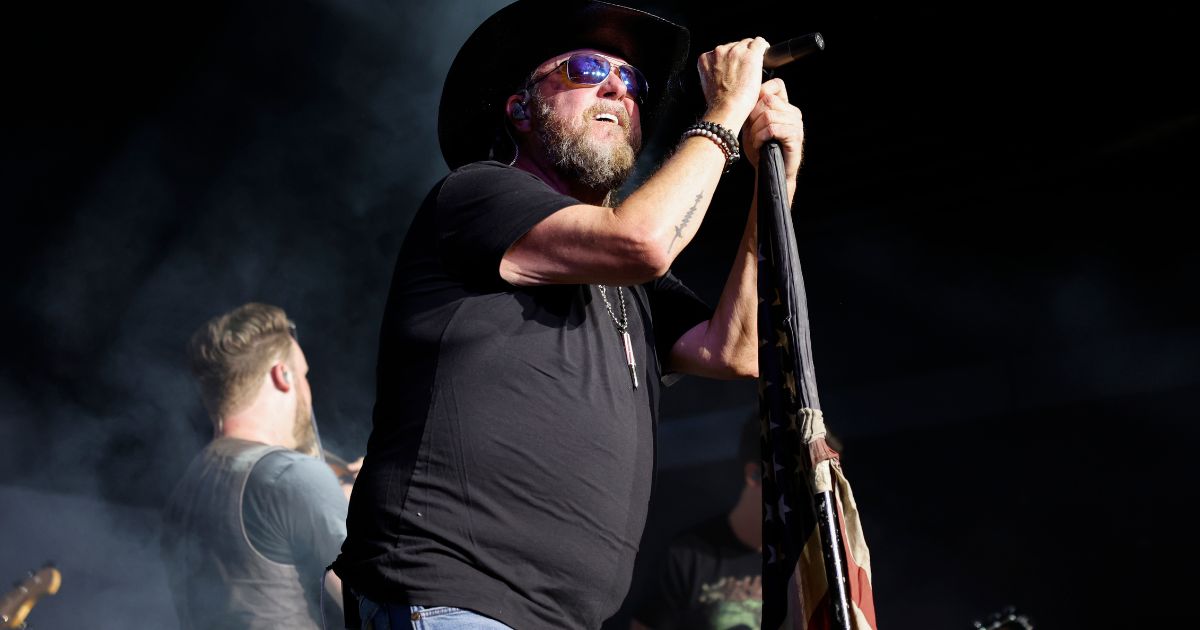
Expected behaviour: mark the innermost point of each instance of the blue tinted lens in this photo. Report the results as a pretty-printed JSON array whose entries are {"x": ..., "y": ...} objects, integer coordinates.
[
  {"x": 588, "y": 69},
  {"x": 593, "y": 70},
  {"x": 635, "y": 83}
]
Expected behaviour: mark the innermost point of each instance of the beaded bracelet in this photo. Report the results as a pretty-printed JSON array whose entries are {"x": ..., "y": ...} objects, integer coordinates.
[
  {"x": 728, "y": 136},
  {"x": 723, "y": 138}
]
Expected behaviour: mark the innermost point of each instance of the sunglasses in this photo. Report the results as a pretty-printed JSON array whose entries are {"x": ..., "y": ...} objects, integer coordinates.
[{"x": 585, "y": 69}]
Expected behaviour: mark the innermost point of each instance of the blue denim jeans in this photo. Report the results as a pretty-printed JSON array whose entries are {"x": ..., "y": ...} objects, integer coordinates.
[{"x": 396, "y": 617}]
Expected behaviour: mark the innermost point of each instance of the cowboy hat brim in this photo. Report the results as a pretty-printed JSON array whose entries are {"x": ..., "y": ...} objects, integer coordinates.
[{"x": 499, "y": 56}]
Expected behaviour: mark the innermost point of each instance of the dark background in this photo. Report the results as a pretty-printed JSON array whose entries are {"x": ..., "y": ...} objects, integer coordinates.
[{"x": 993, "y": 220}]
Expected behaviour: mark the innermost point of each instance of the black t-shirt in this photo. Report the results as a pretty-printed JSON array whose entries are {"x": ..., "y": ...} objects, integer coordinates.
[
  {"x": 510, "y": 462},
  {"x": 709, "y": 581}
]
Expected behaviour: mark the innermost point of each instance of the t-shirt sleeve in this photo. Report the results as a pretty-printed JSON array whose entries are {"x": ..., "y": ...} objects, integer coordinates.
[
  {"x": 319, "y": 526},
  {"x": 482, "y": 209},
  {"x": 676, "y": 310},
  {"x": 295, "y": 512}
]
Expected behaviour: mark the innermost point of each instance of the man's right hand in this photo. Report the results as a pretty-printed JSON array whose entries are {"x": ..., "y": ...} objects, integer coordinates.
[
  {"x": 731, "y": 77},
  {"x": 352, "y": 469}
]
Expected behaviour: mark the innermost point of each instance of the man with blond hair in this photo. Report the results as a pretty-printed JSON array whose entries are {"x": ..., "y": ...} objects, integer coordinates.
[{"x": 250, "y": 528}]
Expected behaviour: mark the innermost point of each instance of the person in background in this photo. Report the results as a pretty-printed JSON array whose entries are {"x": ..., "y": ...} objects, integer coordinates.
[
  {"x": 712, "y": 576},
  {"x": 250, "y": 528}
]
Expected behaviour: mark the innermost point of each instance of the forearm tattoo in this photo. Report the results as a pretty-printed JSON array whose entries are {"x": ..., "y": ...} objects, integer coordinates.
[{"x": 683, "y": 224}]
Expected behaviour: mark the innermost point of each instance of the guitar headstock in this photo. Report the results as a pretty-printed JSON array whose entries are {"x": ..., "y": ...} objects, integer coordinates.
[
  {"x": 15, "y": 606},
  {"x": 1006, "y": 619}
]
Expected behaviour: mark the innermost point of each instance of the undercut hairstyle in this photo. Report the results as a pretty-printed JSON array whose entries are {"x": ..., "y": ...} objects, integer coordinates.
[{"x": 230, "y": 353}]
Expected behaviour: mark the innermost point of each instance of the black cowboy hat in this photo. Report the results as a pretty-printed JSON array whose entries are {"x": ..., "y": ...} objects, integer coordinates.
[{"x": 499, "y": 56}]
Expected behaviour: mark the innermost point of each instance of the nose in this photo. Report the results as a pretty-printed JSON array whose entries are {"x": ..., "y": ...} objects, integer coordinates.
[{"x": 613, "y": 86}]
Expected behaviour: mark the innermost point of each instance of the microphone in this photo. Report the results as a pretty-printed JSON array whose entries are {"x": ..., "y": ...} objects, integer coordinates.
[{"x": 792, "y": 50}]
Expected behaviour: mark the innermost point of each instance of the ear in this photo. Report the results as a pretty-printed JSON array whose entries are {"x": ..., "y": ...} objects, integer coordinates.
[
  {"x": 516, "y": 108},
  {"x": 753, "y": 473},
  {"x": 281, "y": 377}
]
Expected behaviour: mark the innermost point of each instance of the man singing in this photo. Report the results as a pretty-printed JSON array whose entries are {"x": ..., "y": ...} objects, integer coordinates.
[{"x": 532, "y": 317}]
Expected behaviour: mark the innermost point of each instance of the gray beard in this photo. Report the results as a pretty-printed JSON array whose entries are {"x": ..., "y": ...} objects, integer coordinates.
[{"x": 600, "y": 168}]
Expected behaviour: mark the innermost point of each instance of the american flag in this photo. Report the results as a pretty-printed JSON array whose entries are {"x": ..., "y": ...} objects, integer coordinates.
[{"x": 816, "y": 565}]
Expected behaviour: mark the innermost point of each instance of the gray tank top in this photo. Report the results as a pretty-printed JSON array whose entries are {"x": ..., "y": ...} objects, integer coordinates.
[{"x": 216, "y": 576}]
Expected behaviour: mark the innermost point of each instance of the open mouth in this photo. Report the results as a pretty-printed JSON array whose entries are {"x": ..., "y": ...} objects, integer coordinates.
[{"x": 612, "y": 118}]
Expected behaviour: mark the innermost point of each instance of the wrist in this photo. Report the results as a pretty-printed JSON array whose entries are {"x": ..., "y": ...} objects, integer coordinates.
[
  {"x": 720, "y": 135},
  {"x": 724, "y": 116}
]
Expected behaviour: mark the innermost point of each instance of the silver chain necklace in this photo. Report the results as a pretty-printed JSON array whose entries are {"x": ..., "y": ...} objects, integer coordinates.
[{"x": 622, "y": 325}]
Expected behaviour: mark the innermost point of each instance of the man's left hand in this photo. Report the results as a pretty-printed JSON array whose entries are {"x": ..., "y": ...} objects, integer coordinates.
[{"x": 773, "y": 117}]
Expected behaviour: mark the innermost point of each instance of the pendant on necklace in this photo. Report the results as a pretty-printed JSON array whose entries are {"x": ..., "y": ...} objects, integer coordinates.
[
  {"x": 629, "y": 357},
  {"x": 622, "y": 328}
]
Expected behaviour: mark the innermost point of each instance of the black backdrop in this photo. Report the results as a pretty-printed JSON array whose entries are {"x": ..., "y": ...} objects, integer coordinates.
[{"x": 991, "y": 217}]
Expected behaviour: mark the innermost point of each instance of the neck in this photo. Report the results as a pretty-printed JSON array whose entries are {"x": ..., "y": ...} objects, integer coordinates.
[
  {"x": 261, "y": 422},
  {"x": 746, "y": 521},
  {"x": 545, "y": 170},
  {"x": 246, "y": 432}
]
